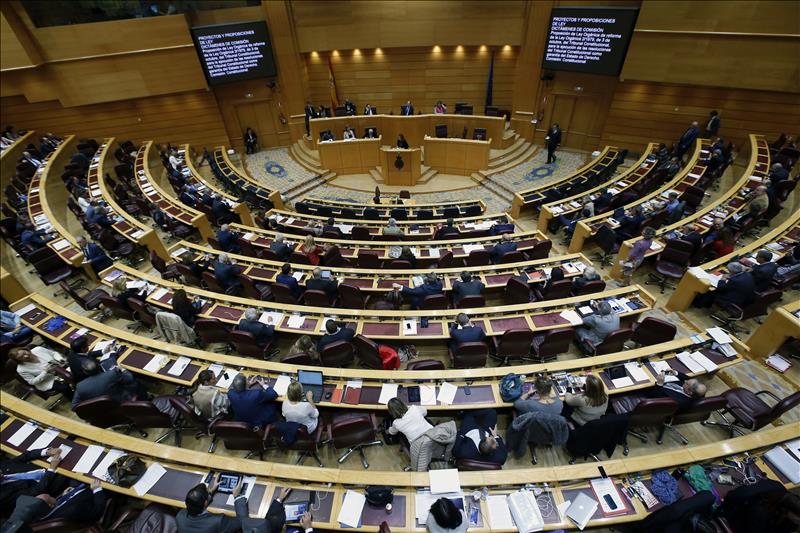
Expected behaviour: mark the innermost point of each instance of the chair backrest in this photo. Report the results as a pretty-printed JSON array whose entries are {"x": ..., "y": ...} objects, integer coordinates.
[
  {"x": 352, "y": 429},
  {"x": 677, "y": 251},
  {"x": 512, "y": 257},
  {"x": 614, "y": 341},
  {"x": 700, "y": 410},
  {"x": 348, "y": 212},
  {"x": 515, "y": 343},
  {"x": 283, "y": 294},
  {"x": 73, "y": 294},
  {"x": 117, "y": 309},
  {"x": 652, "y": 411},
  {"x": 517, "y": 291},
  {"x": 555, "y": 342},
  {"x": 786, "y": 404},
  {"x": 249, "y": 287},
  {"x": 351, "y": 296},
  {"x": 337, "y": 354},
  {"x": 188, "y": 276},
  {"x": 470, "y": 355},
  {"x": 653, "y": 330},
  {"x": 557, "y": 290},
  {"x": 434, "y": 302},
  {"x": 238, "y": 435},
  {"x": 245, "y": 343},
  {"x": 540, "y": 250},
  {"x": 370, "y": 213},
  {"x": 101, "y": 411},
  {"x": 399, "y": 213},
  {"x": 591, "y": 287},
  {"x": 472, "y": 300},
  {"x": 451, "y": 212},
  {"x": 316, "y": 298},
  {"x": 399, "y": 264},
  {"x": 361, "y": 233},
  {"x": 605, "y": 238},
  {"x": 368, "y": 260},
  {"x": 157, "y": 262},
  {"x": 475, "y": 465},
  {"x": 760, "y": 304},
  {"x": 424, "y": 214},
  {"x": 302, "y": 259},
  {"x": 478, "y": 258},
  {"x": 141, "y": 312},
  {"x": 367, "y": 352},
  {"x": 187, "y": 412},
  {"x": 445, "y": 260},
  {"x": 145, "y": 414},
  {"x": 212, "y": 330},
  {"x": 425, "y": 364}
]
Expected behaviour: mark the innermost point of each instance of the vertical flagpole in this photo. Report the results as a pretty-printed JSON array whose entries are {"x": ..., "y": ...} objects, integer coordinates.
[
  {"x": 332, "y": 83},
  {"x": 489, "y": 84}
]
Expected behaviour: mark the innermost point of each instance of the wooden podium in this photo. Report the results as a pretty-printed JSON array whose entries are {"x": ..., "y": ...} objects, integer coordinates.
[{"x": 401, "y": 166}]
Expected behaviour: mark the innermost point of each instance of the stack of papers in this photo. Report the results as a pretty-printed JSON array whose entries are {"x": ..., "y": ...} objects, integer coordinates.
[
  {"x": 663, "y": 366},
  {"x": 499, "y": 513},
  {"x": 271, "y": 317},
  {"x": 702, "y": 275},
  {"x": 149, "y": 479},
  {"x": 622, "y": 382},
  {"x": 572, "y": 316},
  {"x": 444, "y": 481},
  {"x": 296, "y": 321},
  {"x": 352, "y": 507},
  {"x": 179, "y": 366},
  {"x": 447, "y": 393},
  {"x": 636, "y": 372},
  {"x": 281, "y": 384},
  {"x": 156, "y": 363},
  {"x": 719, "y": 335}
]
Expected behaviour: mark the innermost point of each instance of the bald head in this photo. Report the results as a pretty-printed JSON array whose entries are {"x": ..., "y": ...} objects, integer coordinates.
[{"x": 694, "y": 388}]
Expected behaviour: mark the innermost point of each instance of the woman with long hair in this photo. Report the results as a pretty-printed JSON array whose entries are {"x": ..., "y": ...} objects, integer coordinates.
[
  {"x": 311, "y": 249},
  {"x": 589, "y": 405}
]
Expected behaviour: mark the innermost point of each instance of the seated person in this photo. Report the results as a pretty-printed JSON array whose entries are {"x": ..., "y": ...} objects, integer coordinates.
[
  {"x": 466, "y": 286},
  {"x": 368, "y": 110},
  {"x": 757, "y": 204},
  {"x": 115, "y": 382},
  {"x": 304, "y": 345},
  {"x": 579, "y": 282},
  {"x": 349, "y": 133},
  {"x": 197, "y": 266},
  {"x": 789, "y": 265},
  {"x": 500, "y": 227},
  {"x": 737, "y": 287},
  {"x": 221, "y": 211},
  {"x": 765, "y": 505},
  {"x": 185, "y": 308},
  {"x": 545, "y": 400},
  {"x": 716, "y": 226},
  {"x": 440, "y": 108},
  {"x": 764, "y": 272},
  {"x": 280, "y": 248},
  {"x": 96, "y": 214},
  {"x": 570, "y": 223},
  {"x": 407, "y": 109},
  {"x": 674, "y": 207},
  {"x": 371, "y": 133},
  {"x": 187, "y": 196},
  {"x": 251, "y": 403},
  {"x": 407, "y": 255},
  {"x": 556, "y": 274},
  {"x": 94, "y": 255},
  {"x": 326, "y": 136},
  {"x": 36, "y": 366},
  {"x": 598, "y": 325},
  {"x": 226, "y": 273},
  {"x": 294, "y": 409},
  {"x": 34, "y": 238},
  {"x": 602, "y": 201},
  {"x": 335, "y": 331},
  {"x": 629, "y": 224},
  {"x": 196, "y": 516},
  {"x": 12, "y": 329},
  {"x": 724, "y": 243},
  {"x": 462, "y": 331},
  {"x": 685, "y": 391},
  {"x": 20, "y": 476},
  {"x": 690, "y": 234},
  {"x": 447, "y": 231},
  {"x": 588, "y": 405},
  {"x": 317, "y": 283},
  {"x": 121, "y": 291},
  {"x": 77, "y": 502},
  {"x": 391, "y": 228},
  {"x": 478, "y": 438},
  {"x": 502, "y": 248},
  {"x": 431, "y": 285},
  {"x": 263, "y": 333},
  {"x": 286, "y": 278},
  {"x": 79, "y": 352},
  {"x": 330, "y": 227},
  {"x": 311, "y": 249},
  {"x": 209, "y": 401},
  {"x": 227, "y": 240},
  {"x": 445, "y": 517}
]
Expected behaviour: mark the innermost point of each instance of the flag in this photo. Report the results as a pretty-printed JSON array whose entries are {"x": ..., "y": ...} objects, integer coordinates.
[
  {"x": 489, "y": 83},
  {"x": 332, "y": 83}
]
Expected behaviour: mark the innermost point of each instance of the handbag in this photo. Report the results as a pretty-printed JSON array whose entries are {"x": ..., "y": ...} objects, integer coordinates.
[
  {"x": 126, "y": 470},
  {"x": 379, "y": 496},
  {"x": 510, "y": 387}
]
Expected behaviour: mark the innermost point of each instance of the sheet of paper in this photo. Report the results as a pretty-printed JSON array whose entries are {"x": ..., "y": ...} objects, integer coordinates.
[
  {"x": 179, "y": 366},
  {"x": 274, "y": 315},
  {"x": 727, "y": 350},
  {"x": 216, "y": 369},
  {"x": 154, "y": 472},
  {"x": 388, "y": 391},
  {"x": 179, "y": 252},
  {"x": 249, "y": 482},
  {"x": 156, "y": 363},
  {"x": 101, "y": 470},
  {"x": 663, "y": 366},
  {"x": 622, "y": 382},
  {"x": 433, "y": 252},
  {"x": 60, "y": 245},
  {"x": 295, "y": 321},
  {"x": 719, "y": 335},
  {"x": 427, "y": 395},
  {"x": 64, "y": 450},
  {"x": 282, "y": 384},
  {"x": 22, "y": 311},
  {"x": 689, "y": 362},
  {"x": 159, "y": 293},
  {"x": 88, "y": 459},
  {"x": 226, "y": 378},
  {"x": 22, "y": 433},
  {"x": 354, "y": 384},
  {"x": 707, "y": 364},
  {"x": 562, "y": 509},
  {"x": 409, "y": 327},
  {"x": 443, "y": 481},
  {"x": 572, "y": 316},
  {"x": 447, "y": 393},
  {"x": 499, "y": 513},
  {"x": 102, "y": 345},
  {"x": 637, "y": 372},
  {"x": 352, "y": 506},
  {"x": 298, "y": 276},
  {"x": 44, "y": 440}
]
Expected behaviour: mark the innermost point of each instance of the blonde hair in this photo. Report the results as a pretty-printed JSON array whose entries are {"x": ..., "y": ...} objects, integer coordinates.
[
  {"x": 595, "y": 391},
  {"x": 295, "y": 392},
  {"x": 309, "y": 243},
  {"x": 119, "y": 286}
]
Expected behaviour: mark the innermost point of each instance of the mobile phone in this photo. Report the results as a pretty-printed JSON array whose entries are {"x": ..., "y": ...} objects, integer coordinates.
[
  {"x": 610, "y": 501},
  {"x": 467, "y": 389},
  {"x": 602, "y": 471},
  {"x": 423, "y": 322}
]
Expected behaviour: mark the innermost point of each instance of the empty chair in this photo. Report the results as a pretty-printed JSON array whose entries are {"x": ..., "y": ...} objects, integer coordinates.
[
  {"x": 314, "y": 298},
  {"x": 246, "y": 344},
  {"x": 190, "y": 419},
  {"x": 469, "y": 355},
  {"x": 145, "y": 414},
  {"x": 212, "y": 331},
  {"x": 142, "y": 314},
  {"x": 367, "y": 352},
  {"x": 116, "y": 308},
  {"x": 399, "y": 264},
  {"x": 88, "y": 300},
  {"x": 445, "y": 260},
  {"x": 424, "y": 214},
  {"x": 348, "y": 213},
  {"x": 757, "y": 308},
  {"x": 552, "y": 342},
  {"x": 700, "y": 410},
  {"x": 370, "y": 213},
  {"x": 253, "y": 289},
  {"x": 471, "y": 301},
  {"x": 51, "y": 268},
  {"x": 337, "y": 354},
  {"x": 749, "y": 411},
  {"x": 354, "y": 431},
  {"x": 540, "y": 250},
  {"x": 557, "y": 290},
  {"x": 169, "y": 272},
  {"x": 590, "y": 287},
  {"x": 103, "y": 412},
  {"x": 188, "y": 276},
  {"x": 307, "y": 445},
  {"x": 210, "y": 281},
  {"x": 513, "y": 344},
  {"x": 425, "y": 364},
  {"x": 671, "y": 263},
  {"x": 653, "y": 330},
  {"x": 614, "y": 342},
  {"x": 512, "y": 257},
  {"x": 645, "y": 412},
  {"x": 352, "y": 297},
  {"x": 518, "y": 292},
  {"x": 283, "y": 294},
  {"x": 240, "y": 436},
  {"x": 361, "y": 233},
  {"x": 369, "y": 260},
  {"x": 298, "y": 258},
  {"x": 478, "y": 258},
  {"x": 606, "y": 240},
  {"x": 399, "y": 213},
  {"x": 435, "y": 302},
  {"x": 451, "y": 212}
]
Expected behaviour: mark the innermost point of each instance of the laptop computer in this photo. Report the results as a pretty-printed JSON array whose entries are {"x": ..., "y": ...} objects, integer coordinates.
[
  {"x": 581, "y": 510},
  {"x": 311, "y": 380}
]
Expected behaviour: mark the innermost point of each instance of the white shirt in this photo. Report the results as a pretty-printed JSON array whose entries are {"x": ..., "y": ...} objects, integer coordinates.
[
  {"x": 301, "y": 412},
  {"x": 348, "y": 134},
  {"x": 174, "y": 162},
  {"x": 35, "y": 372},
  {"x": 412, "y": 424},
  {"x": 83, "y": 203}
]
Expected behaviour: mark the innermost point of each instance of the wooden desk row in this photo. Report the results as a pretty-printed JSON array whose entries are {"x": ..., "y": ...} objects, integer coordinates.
[
  {"x": 170, "y": 205},
  {"x": 376, "y": 324},
  {"x": 429, "y": 250},
  {"x": 352, "y": 156},
  {"x": 384, "y": 210},
  {"x": 462, "y": 157},
  {"x": 240, "y": 180},
  {"x": 494, "y": 277},
  {"x": 691, "y": 173},
  {"x": 725, "y": 207},
  {"x": 779, "y": 241},
  {"x": 183, "y": 469},
  {"x": 196, "y": 178},
  {"x": 534, "y": 197},
  {"x": 615, "y": 185},
  {"x": 782, "y": 324}
]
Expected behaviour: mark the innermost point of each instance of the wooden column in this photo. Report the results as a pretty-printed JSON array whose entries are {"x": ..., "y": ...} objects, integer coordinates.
[{"x": 291, "y": 71}]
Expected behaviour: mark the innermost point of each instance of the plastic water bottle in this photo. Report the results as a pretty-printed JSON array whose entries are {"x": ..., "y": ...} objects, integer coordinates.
[{"x": 484, "y": 493}]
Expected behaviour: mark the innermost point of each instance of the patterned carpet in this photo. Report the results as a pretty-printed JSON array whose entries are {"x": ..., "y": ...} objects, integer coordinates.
[
  {"x": 276, "y": 169},
  {"x": 536, "y": 171}
]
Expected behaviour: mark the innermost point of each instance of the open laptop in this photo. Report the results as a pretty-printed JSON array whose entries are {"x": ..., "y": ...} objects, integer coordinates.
[{"x": 311, "y": 380}]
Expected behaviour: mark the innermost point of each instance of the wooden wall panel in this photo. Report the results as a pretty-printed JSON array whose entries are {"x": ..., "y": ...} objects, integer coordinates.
[
  {"x": 389, "y": 77},
  {"x": 179, "y": 118},
  {"x": 642, "y": 112},
  {"x": 12, "y": 53},
  {"x": 324, "y": 25}
]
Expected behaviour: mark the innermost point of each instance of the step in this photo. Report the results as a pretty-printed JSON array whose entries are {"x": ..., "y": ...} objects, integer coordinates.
[
  {"x": 304, "y": 161},
  {"x": 426, "y": 175},
  {"x": 529, "y": 152},
  {"x": 376, "y": 174},
  {"x": 510, "y": 153}
]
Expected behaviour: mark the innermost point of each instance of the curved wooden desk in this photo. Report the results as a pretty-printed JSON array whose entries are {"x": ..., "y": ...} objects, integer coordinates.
[
  {"x": 782, "y": 324},
  {"x": 353, "y": 156},
  {"x": 728, "y": 204},
  {"x": 384, "y": 209},
  {"x": 690, "y": 174},
  {"x": 242, "y": 181}
]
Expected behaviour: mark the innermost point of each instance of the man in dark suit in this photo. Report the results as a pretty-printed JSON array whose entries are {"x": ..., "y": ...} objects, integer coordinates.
[
  {"x": 407, "y": 109},
  {"x": 116, "y": 382},
  {"x": 197, "y": 519},
  {"x": 262, "y": 332},
  {"x": 94, "y": 255},
  {"x": 553, "y": 139},
  {"x": 629, "y": 224},
  {"x": 431, "y": 285},
  {"x": 96, "y": 214},
  {"x": 777, "y": 175},
  {"x": 221, "y": 210},
  {"x": 738, "y": 288},
  {"x": 286, "y": 278},
  {"x": 336, "y": 331},
  {"x": 227, "y": 239},
  {"x": 764, "y": 271},
  {"x": 225, "y": 272},
  {"x": 350, "y": 107},
  {"x": 466, "y": 286},
  {"x": 685, "y": 391},
  {"x": 477, "y": 438},
  {"x": 280, "y": 248},
  {"x": 712, "y": 126},
  {"x": 448, "y": 231},
  {"x": 330, "y": 228},
  {"x": 690, "y": 234},
  {"x": 275, "y": 518},
  {"x": 317, "y": 283},
  {"x": 34, "y": 238},
  {"x": 462, "y": 331},
  {"x": 21, "y": 477},
  {"x": 79, "y": 503},
  {"x": 187, "y": 196},
  {"x": 502, "y": 248},
  {"x": 311, "y": 112},
  {"x": 687, "y": 139}
]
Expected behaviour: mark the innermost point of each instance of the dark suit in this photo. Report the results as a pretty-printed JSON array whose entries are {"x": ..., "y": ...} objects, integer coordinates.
[
  {"x": 12, "y": 489},
  {"x": 97, "y": 257},
  {"x": 447, "y": 232},
  {"x": 117, "y": 383},
  {"x": 81, "y": 505},
  {"x": 670, "y": 519},
  {"x": 333, "y": 229},
  {"x": 738, "y": 290},
  {"x": 96, "y": 215},
  {"x": 272, "y": 523},
  {"x": 33, "y": 238},
  {"x": 469, "y": 288},
  {"x": 221, "y": 211},
  {"x": 206, "y": 522},
  {"x": 418, "y": 294},
  {"x": 343, "y": 334},
  {"x": 629, "y": 226},
  {"x": 763, "y": 275},
  {"x": 687, "y": 139},
  {"x": 500, "y": 249},
  {"x": 262, "y": 332},
  {"x": 552, "y": 143},
  {"x": 226, "y": 275},
  {"x": 281, "y": 249},
  {"x": 712, "y": 127},
  {"x": 227, "y": 240},
  {"x": 187, "y": 199},
  {"x": 254, "y": 406},
  {"x": 329, "y": 286},
  {"x": 291, "y": 282},
  {"x": 673, "y": 390},
  {"x": 465, "y": 448},
  {"x": 694, "y": 238},
  {"x": 406, "y": 110},
  {"x": 465, "y": 334}
]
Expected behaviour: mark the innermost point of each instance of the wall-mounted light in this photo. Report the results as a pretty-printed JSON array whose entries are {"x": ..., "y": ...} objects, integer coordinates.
[
  {"x": 357, "y": 53},
  {"x": 483, "y": 48},
  {"x": 378, "y": 52},
  {"x": 437, "y": 49},
  {"x": 459, "y": 48},
  {"x": 507, "y": 48},
  {"x": 248, "y": 95},
  {"x": 578, "y": 89},
  {"x": 314, "y": 54},
  {"x": 335, "y": 53}
]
